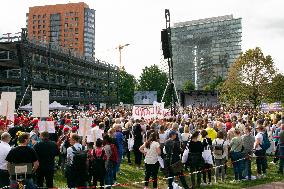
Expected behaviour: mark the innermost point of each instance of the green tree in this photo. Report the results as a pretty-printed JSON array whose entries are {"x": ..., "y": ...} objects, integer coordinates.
[
  {"x": 153, "y": 79},
  {"x": 215, "y": 84},
  {"x": 249, "y": 78},
  {"x": 126, "y": 87},
  {"x": 188, "y": 86},
  {"x": 277, "y": 89}
]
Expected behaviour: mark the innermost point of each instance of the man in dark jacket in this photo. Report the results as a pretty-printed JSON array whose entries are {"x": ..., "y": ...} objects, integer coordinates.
[
  {"x": 172, "y": 150},
  {"x": 46, "y": 150}
]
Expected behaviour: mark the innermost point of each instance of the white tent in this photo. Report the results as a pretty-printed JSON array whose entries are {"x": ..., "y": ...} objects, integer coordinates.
[
  {"x": 57, "y": 106},
  {"x": 27, "y": 107}
]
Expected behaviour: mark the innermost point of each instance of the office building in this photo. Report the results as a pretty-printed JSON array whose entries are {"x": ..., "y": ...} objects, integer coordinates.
[{"x": 204, "y": 49}]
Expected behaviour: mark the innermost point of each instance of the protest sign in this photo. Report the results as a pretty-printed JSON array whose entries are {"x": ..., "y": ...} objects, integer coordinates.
[
  {"x": 46, "y": 126},
  {"x": 7, "y": 105},
  {"x": 85, "y": 126},
  {"x": 150, "y": 112},
  {"x": 40, "y": 103}
]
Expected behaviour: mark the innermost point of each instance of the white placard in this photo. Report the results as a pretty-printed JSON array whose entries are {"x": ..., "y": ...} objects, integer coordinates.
[
  {"x": 85, "y": 126},
  {"x": 21, "y": 169},
  {"x": 40, "y": 103},
  {"x": 46, "y": 126},
  {"x": 7, "y": 105}
]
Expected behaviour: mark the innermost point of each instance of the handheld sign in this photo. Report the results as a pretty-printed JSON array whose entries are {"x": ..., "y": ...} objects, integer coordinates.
[
  {"x": 7, "y": 105},
  {"x": 40, "y": 103},
  {"x": 46, "y": 126},
  {"x": 85, "y": 126}
]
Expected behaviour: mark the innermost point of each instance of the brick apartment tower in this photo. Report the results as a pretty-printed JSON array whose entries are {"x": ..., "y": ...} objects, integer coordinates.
[{"x": 69, "y": 25}]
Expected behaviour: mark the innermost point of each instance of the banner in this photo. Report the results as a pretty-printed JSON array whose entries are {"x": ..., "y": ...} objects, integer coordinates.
[
  {"x": 150, "y": 112},
  {"x": 266, "y": 107},
  {"x": 7, "y": 105}
]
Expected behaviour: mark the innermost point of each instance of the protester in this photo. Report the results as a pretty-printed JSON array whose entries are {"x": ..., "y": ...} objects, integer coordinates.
[
  {"x": 236, "y": 155},
  {"x": 281, "y": 148},
  {"x": 172, "y": 151},
  {"x": 207, "y": 156},
  {"x": 46, "y": 151},
  {"x": 261, "y": 160},
  {"x": 5, "y": 148},
  {"x": 138, "y": 138},
  {"x": 76, "y": 172},
  {"x": 248, "y": 142},
  {"x": 151, "y": 150},
  {"x": 23, "y": 154},
  {"x": 219, "y": 152}
]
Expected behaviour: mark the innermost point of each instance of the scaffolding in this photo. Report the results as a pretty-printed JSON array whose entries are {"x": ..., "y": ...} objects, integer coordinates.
[{"x": 204, "y": 49}]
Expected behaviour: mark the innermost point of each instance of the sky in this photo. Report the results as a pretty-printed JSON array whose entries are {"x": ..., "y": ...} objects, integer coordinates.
[{"x": 139, "y": 23}]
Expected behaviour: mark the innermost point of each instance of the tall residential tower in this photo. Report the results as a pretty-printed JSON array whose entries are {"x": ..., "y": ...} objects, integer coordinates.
[
  {"x": 204, "y": 49},
  {"x": 69, "y": 25}
]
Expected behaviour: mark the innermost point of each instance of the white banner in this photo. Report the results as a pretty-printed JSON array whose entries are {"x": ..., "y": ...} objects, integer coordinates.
[
  {"x": 46, "y": 126},
  {"x": 150, "y": 112},
  {"x": 7, "y": 105},
  {"x": 40, "y": 103}
]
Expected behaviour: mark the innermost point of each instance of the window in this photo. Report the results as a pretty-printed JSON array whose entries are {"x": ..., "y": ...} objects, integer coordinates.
[
  {"x": 44, "y": 16},
  {"x": 43, "y": 21},
  {"x": 76, "y": 30},
  {"x": 76, "y": 39},
  {"x": 66, "y": 30},
  {"x": 34, "y": 22},
  {"x": 43, "y": 26},
  {"x": 39, "y": 31},
  {"x": 44, "y": 31},
  {"x": 66, "y": 25},
  {"x": 39, "y": 26},
  {"x": 34, "y": 32},
  {"x": 38, "y": 16},
  {"x": 34, "y": 16},
  {"x": 39, "y": 21},
  {"x": 34, "y": 27},
  {"x": 76, "y": 18}
]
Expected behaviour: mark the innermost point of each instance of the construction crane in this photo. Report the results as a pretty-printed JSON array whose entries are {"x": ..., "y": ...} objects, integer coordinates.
[{"x": 120, "y": 47}]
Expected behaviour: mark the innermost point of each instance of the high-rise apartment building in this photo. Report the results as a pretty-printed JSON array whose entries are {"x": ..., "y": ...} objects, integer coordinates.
[
  {"x": 71, "y": 26},
  {"x": 204, "y": 49}
]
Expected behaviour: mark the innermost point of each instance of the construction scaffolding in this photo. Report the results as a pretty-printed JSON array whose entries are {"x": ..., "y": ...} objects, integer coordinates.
[{"x": 204, "y": 49}]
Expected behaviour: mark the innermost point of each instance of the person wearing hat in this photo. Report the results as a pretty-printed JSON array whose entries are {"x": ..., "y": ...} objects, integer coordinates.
[
  {"x": 261, "y": 160},
  {"x": 172, "y": 152}
]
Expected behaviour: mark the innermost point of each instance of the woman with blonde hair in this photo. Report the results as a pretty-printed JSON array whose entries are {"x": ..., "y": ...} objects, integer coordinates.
[{"x": 185, "y": 136}]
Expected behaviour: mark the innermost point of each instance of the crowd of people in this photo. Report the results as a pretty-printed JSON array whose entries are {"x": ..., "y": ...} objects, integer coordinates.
[{"x": 200, "y": 140}]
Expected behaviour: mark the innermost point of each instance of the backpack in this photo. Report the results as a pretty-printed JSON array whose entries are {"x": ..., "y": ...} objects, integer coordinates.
[
  {"x": 80, "y": 160},
  {"x": 219, "y": 149},
  {"x": 114, "y": 153},
  {"x": 265, "y": 142},
  {"x": 98, "y": 163}
]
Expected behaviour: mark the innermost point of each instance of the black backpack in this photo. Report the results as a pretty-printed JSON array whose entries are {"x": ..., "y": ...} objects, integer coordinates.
[
  {"x": 80, "y": 160},
  {"x": 219, "y": 149}
]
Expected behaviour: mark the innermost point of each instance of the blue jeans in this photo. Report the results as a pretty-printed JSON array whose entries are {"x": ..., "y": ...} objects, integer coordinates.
[
  {"x": 237, "y": 164},
  {"x": 109, "y": 177},
  {"x": 29, "y": 184},
  {"x": 247, "y": 168}
]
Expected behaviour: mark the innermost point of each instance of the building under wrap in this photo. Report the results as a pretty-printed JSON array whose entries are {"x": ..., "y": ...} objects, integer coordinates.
[{"x": 204, "y": 49}]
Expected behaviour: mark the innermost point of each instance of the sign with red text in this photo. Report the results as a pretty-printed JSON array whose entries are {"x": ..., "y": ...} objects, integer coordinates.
[{"x": 150, "y": 112}]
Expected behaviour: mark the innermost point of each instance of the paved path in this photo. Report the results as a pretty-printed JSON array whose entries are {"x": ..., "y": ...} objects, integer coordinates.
[{"x": 273, "y": 185}]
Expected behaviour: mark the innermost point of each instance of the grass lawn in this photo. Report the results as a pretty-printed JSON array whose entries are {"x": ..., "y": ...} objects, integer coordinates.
[{"x": 129, "y": 174}]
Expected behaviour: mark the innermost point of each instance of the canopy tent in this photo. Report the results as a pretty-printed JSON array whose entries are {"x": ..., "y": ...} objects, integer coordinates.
[
  {"x": 57, "y": 106},
  {"x": 27, "y": 107}
]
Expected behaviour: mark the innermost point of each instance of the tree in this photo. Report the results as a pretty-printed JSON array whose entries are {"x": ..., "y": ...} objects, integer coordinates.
[
  {"x": 277, "y": 89},
  {"x": 249, "y": 78},
  {"x": 188, "y": 86},
  {"x": 215, "y": 84},
  {"x": 126, "y": 87},
  {"x": 153, "y": 79}
]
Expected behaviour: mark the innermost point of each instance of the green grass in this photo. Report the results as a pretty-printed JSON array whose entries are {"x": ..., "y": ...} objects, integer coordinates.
[{"x": 129, "y": 174}]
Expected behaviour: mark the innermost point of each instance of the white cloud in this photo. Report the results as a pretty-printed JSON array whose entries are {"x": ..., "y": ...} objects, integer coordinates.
[{"x": 139, "y": 22}]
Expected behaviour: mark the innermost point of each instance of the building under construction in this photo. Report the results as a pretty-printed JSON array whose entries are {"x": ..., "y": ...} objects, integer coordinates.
[
  {"x": 70, "y": 78},
  {"x": 204, "y": 49}
]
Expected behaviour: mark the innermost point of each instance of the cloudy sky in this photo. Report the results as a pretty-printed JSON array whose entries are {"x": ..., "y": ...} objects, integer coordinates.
[{"x": 139, "y": 22}]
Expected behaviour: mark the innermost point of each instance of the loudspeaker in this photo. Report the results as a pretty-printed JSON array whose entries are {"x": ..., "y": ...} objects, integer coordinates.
[{"x": 165, "y": 44}]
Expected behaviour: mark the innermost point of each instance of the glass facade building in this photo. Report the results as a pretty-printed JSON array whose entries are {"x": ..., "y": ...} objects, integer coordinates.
[{"x": 204, "y": 49}]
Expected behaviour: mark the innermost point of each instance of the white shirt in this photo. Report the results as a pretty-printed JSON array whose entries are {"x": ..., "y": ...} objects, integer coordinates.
[
  {"x": 163, "y": 138},
  {"x": 260, "y": 137},
  {"x": 4, "y": 150},
  {"x": 151, "y": 154},
  {"x": 95, "y": 132},
  {"x": 185, "y": 137},
  {"x": 70, "y": 153}
]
